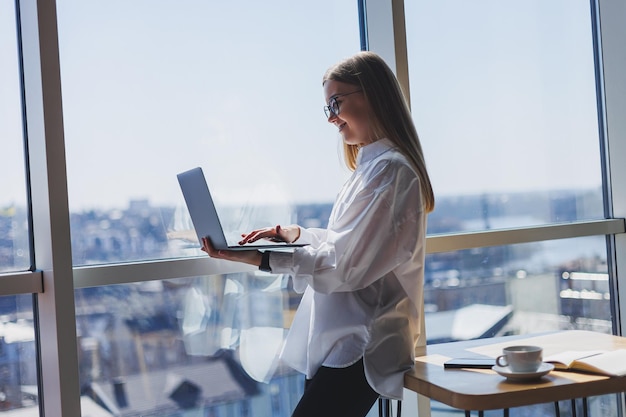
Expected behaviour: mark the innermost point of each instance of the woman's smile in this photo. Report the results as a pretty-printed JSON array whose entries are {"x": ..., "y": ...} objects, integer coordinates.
[{"x": 349, "y": 110}]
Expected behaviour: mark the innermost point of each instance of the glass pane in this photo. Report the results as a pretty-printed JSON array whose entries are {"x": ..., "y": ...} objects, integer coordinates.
[
  {"x": 503, "y": 96},
  {"x": 18, "y": 359},
  {"x": 233, "y": 87},
  {"x": 204, "y": 346},
  {"x": 139, "y": 340},
  {"x": 14, "y": 248},
  {"x": 520, "y": 289}
]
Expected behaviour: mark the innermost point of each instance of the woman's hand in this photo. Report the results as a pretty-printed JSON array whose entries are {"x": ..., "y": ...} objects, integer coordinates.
[
  {"x": 252, "y": 257},
  {"x": 287, "y": 234}
]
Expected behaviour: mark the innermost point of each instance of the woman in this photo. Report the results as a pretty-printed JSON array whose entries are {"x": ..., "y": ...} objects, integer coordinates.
[{"x": 354, "y": 333}]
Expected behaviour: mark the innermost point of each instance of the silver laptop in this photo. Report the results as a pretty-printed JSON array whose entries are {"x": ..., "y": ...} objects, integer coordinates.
[{"x": 204, "y": 216}]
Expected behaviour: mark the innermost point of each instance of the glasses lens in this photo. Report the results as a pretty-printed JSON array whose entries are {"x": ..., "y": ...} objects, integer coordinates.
[{"x": 334, "y": 106}]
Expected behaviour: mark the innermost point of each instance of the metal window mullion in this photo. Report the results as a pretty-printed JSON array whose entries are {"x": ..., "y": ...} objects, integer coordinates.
[
  {"x": 470, "y": 240},
  {"x": 386, "y": 35},
  {"x": 611, "y": 66},
  {"x": 90, "y": 276},
  {"x": 21, "y": 283},
  {"x": 612, "y": 32},
  {"x": 54, "y": 307}
]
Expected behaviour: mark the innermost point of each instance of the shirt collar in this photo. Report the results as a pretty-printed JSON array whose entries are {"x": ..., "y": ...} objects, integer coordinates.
[{"x": 373, "y": 150}]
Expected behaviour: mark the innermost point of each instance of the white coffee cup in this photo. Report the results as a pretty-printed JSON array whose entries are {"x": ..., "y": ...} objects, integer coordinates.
[{"x": 521, "y": 358}]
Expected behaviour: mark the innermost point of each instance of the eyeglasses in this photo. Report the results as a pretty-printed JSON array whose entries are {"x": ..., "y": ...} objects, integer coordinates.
[{"x": 333, "y": 104}]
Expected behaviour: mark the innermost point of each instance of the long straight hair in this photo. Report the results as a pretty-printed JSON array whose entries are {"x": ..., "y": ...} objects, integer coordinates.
[{"x": 390, "y": 115}]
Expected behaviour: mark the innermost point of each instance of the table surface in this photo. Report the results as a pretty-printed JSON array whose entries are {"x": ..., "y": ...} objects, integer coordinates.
[{"x": 484, "y": 389}]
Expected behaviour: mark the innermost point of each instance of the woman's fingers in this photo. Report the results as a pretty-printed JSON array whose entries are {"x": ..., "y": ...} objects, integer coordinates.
[
  {"x": 275, "y": 234},
  {"x": 253, "y": 236},
  {"x": 252, "y": 257},
  {"x": 207, "y": 247}
]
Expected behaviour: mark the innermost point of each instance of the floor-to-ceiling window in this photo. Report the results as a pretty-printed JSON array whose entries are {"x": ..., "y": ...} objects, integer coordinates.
[
  {"x": 18, "y": 365},
  {"x": 14, "y": 247},
  {"x": 505, "y": 98},
  {"x": 154, "y": 89},
  {"x": 505, "y": 101}
]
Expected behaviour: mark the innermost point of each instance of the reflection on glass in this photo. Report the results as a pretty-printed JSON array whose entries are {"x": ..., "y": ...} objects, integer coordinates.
[
  {"x": 18, "y": 359},
  {"x": 178, "y": 337},
  {"x": 503, "y": 96},
  {"x": 14, "y": 249},
  {"x": 203, "y": 346},
  {"x": 518, "y": 289}
]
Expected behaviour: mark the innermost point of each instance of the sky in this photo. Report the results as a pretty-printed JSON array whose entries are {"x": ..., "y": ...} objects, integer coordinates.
[
  {"x": 502, "y": 95},
  {"x": 12, "y": 187}
]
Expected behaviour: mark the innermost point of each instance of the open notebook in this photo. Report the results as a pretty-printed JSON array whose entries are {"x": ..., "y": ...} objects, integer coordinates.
[{"x": 204, "y": 216}]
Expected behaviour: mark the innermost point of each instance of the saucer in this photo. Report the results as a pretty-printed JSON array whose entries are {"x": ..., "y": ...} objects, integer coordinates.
[{"x": 544, "y": 368}]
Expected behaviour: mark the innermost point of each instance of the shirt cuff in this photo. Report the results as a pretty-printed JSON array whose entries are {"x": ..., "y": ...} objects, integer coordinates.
[
  {"x": 281, "y": 262},
  {"x": 305, "y": 237}
]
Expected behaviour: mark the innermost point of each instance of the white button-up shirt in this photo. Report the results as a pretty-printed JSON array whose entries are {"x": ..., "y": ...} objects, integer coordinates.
[{"x": 362, "y": 277}]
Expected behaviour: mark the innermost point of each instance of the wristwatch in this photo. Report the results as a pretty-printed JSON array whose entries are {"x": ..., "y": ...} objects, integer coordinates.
[{"x": 265, "y": 262}]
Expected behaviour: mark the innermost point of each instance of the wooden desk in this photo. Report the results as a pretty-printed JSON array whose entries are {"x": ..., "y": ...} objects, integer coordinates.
[{"x": 484, "y": 389}]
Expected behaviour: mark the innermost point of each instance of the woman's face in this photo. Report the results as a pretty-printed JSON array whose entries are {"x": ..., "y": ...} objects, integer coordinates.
[{"x": 352, "y": 119}]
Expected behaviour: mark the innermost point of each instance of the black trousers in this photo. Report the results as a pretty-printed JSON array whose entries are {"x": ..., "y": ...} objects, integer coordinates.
[{"x": 337, "y": 392}]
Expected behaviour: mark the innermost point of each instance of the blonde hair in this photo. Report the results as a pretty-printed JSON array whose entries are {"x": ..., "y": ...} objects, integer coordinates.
[{"x": 390, "y": 115}]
